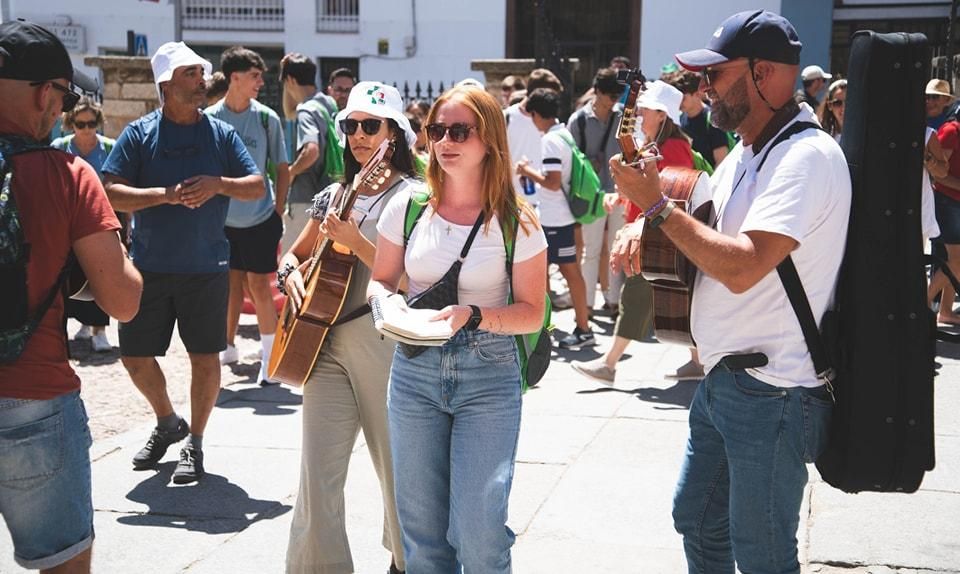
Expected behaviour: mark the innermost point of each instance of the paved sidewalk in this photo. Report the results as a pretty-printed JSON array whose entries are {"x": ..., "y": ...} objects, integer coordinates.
[{"x": 592, "y": 494}]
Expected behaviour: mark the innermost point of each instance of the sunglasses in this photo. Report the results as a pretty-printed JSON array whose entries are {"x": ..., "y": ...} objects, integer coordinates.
[
  {"x": 70, "y": 98},
  {"x": 92, "y": 124},
  {"x": 931, "y": 97},
  {"x": 837, "y": 103},
  {"x": 710, "y": 74},
  {"x": 458, "y": 132},
  {"x": 371, "y": 126}
]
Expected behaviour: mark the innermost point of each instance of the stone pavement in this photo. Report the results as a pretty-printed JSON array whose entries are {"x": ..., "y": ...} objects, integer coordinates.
[{"x": 595, "y": 474}]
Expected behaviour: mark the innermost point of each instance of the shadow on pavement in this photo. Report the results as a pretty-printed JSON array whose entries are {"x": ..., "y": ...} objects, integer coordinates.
[
  {"x": 269, "y": 400},
  {"x": 85, "y": 356},
  {"x": 677, "y": 397},
  {"x": 948, "y": 350},
  {"x": 214, "y": 505}
]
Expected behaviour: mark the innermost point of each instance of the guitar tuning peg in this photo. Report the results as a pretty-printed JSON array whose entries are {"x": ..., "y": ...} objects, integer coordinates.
[{"x": 381, "y": 180}]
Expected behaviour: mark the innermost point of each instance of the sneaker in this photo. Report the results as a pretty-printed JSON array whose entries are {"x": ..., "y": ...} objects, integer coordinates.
[
  {"x": 84, "y": 333},
  {"x": 190, "y": 467},
  {"x": 394, "y": 570},
  {"x": 157, "y": 445},
  {"x": 596, "y": 369},
  {"x": 100, "y": 343},
  {"x": 611, "y": 310},
  {"x": 578, "y": 340},
  {"x": 229, "y": 355},
  {"x": 561, "y": 301},
  {"x": 688, "y": 370}
]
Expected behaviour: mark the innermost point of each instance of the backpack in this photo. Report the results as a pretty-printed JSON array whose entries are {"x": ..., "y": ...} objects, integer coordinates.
[
  {"x": 16, "y": 325},
  {"x": 270, "y": 166},
  {"x": 333, "y": 153},
  {"x": 701, "y": 163},
  {"x": 585, "y": 196},
  {"x": 534, "y": 348}
]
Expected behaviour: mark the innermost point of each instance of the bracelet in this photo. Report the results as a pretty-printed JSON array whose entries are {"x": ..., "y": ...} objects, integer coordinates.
[
  {"x": 282, "y": 277},
  {"x": 656, "y": 207}
]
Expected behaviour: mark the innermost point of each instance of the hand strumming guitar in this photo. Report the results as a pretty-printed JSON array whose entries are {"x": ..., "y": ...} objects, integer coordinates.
[
  {"x": 346, "y": 233},
  {"x": 625, "y": 250}
]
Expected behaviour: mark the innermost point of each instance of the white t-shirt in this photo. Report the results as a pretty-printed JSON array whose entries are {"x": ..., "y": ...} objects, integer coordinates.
[
  {"x": 523, "y": 137},
  {"x": 928, "y": 218},
  {"x": 436, "y": 243},
  {"x": 803, "y": 192},
  {"x": 557, "y": 156}
]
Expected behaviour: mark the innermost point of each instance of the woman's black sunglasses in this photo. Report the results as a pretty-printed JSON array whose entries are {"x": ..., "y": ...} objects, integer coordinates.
[
  {"x": 92, "y": 124},
  {"x": 371, "y": 126},
  {"x": 458, "y": 132}
]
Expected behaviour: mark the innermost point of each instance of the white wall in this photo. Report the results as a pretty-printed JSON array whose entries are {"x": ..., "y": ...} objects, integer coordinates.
[
  {"x": 669, "y": 27},
  {"x": 105, "y": 21}
]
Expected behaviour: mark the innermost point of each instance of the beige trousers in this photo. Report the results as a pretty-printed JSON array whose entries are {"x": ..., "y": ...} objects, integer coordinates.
[{"x": 346, "y": 392}]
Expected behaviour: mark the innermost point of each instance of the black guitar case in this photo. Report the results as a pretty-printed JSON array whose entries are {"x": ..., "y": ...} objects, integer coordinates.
[{"x": 882, "y": 431}]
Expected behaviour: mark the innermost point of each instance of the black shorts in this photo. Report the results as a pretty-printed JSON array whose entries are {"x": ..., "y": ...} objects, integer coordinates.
[
  {"x": 947, "y": 211},
  {"x": 254, "y": 249},
  {"x": 197, "y": 302},
  {"x": 561, "y": 244}
]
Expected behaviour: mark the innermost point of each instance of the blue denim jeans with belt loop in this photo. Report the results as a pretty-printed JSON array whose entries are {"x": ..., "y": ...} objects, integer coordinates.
[
  {"x": 454, "y": 414},
  {"x": 741, "y": 485}
]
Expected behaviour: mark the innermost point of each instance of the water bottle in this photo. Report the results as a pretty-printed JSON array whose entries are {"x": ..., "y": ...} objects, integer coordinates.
[{"x": 529, "y": 188}]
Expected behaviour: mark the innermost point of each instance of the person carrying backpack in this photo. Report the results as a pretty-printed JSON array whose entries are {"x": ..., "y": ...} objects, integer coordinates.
[
  {"x": 762, "y": 412},
  {"x": 54, "y": 215},
  {"x": 557, "y": 150},
  {"x": 318, "y": 158}
]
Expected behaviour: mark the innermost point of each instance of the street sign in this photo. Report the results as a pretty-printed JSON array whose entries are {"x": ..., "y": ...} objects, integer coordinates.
[
  {"x": 73, "y": 37},
  {"x": 140, "y": 45}
]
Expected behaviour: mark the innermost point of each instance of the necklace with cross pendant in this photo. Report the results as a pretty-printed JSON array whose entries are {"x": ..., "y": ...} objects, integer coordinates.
[{"x": 449, "y": 229}]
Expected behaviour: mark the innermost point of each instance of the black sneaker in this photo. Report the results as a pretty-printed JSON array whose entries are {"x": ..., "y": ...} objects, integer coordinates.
[
  {"x": 394, "y": 570},
  {"x": 578, "y": 340},
  {"x": 190, "y": 467},
  {"x": 157, "y": 445}
]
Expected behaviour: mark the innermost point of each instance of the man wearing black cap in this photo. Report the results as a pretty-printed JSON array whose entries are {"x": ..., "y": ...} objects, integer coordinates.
[
  {"x": 59, "y": 206},
  {"x": 762, "y": 411}
]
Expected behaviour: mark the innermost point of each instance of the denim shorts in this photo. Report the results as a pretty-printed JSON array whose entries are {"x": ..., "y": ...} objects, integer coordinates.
[
  {"x": 45, "y": 479},
  {"x": 947, "y": 211}
]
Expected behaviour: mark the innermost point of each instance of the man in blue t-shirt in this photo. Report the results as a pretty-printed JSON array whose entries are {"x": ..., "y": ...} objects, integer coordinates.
[
  {"x": 176, "y": 170},
  {"x": 254, "y": 228}
]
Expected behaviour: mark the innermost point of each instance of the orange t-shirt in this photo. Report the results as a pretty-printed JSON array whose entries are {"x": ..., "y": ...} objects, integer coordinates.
[{"x": 60, "y": 200}]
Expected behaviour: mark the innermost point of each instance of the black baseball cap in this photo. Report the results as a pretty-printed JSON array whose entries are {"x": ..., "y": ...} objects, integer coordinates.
[
  {"x": 752, "y": 34},
  {"x": 30, "y": 52}
]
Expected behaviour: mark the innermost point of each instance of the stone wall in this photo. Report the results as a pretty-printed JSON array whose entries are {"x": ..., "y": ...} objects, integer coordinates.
[{"x": 128, "y": 90}]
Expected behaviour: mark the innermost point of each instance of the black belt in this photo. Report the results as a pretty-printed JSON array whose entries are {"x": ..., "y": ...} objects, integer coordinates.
[{"x": 743, "y": 361}]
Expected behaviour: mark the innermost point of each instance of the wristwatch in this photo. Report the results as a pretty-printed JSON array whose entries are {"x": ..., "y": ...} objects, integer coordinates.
[
  {"x": 474, "y": 321},
  {"x": 658, "y": 219}
]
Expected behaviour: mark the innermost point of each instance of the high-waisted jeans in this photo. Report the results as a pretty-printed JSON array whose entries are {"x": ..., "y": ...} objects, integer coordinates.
[{"x": 454, "y": 416}]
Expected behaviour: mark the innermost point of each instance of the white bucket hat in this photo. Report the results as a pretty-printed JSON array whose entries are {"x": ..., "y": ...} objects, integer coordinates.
[
  {"x": 376, "y": 99},
  {"x": 171, "y": 56},
  {"x": 664, "y": 97}
]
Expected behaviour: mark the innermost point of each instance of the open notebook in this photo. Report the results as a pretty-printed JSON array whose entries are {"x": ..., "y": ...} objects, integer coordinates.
[{"x": 393, "y": 318}]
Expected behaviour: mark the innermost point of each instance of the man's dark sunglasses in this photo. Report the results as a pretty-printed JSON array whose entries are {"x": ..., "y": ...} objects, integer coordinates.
[
  {"x": 371, "y": 126},
  {"x": 70, "y": 98},
  {"x": 92, "y": 124},
  {"x": 459, "y": 132}
]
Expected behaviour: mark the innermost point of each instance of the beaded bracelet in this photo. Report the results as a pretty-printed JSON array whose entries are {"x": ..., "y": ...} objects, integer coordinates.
[
  {"x": 656, "y": 207},
  {"x": 282, "y": 277}
]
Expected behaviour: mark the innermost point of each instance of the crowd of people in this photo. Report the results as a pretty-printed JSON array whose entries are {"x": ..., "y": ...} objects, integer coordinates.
[{"x": 214, "y": 211}]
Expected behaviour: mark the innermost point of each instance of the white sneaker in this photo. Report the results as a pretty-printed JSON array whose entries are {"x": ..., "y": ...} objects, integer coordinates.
[
  {"x": 100, "y": 343},
  {"x": 83, "y": 333},
  {"x": 229, "y": 355}
]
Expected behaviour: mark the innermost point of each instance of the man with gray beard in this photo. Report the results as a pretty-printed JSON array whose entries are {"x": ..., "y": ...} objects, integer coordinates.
[{"x": 782, "y": 196}]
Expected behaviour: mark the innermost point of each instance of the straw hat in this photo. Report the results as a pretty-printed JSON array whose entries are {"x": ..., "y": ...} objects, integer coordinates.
[{"x": 937, "y": 87}]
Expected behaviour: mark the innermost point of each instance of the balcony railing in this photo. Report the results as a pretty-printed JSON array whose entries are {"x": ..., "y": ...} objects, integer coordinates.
[
  {"x": 338, "y": 15},
  {"x": 259, "y": 15}
]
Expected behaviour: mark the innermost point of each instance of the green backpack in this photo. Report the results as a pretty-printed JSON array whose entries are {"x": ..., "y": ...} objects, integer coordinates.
[
  {"x": 536, "y": 347},
  {"x": 585, "y": 196},
  {"x": 333, "y": 154},
  {"x": 701, "y": 163}
]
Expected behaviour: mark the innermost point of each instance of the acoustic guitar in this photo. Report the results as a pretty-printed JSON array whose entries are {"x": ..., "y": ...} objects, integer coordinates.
[
  {"x": 669, "y": 272},
  {"x": 326, "y": 276}
]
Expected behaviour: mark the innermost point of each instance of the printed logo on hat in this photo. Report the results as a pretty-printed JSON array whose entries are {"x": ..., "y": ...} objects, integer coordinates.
[
  {"x": 377, "y": 95},
  {"x": 718, "y": 33}
]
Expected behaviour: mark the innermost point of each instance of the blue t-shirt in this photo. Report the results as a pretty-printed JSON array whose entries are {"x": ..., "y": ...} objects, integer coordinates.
[
  {"x": 97, "y": 155},
  {"x": 155, "y": 152}
]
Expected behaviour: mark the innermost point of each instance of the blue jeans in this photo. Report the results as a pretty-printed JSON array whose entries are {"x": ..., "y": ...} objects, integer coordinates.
[
  {"x": 45, "y": 479},
  {"x": 454, "y": 414},
  {"x": 739, "y": 493}
]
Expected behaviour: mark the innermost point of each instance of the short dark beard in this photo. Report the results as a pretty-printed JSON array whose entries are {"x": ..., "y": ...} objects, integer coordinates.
[{"x": 728, "y": 115}]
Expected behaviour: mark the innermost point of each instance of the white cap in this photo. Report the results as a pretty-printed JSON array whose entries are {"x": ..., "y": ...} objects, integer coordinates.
[
  {"x": 814, "y": 73},
  {"x": 376, "y": 99},
  {"x": 171, "y": 56},
  {"x": 664, "y": 97}
]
